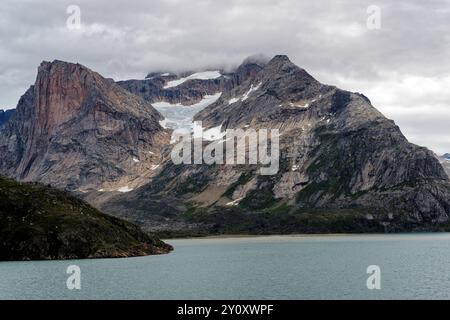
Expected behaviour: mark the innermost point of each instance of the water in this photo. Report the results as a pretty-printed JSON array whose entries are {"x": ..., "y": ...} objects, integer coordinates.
[{"x": 278, "y": 267}]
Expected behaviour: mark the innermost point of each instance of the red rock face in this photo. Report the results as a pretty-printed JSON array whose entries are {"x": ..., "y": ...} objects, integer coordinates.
[
  {"x": 76, "y": 130},
  {"x": 61, "y": 89}
]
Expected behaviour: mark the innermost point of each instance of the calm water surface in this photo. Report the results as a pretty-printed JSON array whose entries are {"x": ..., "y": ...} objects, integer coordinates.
[{"x": 276, "y": 267}]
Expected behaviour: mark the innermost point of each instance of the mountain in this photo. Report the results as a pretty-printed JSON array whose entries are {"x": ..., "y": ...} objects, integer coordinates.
[
  {"x": 445, "y": 162},
  {"x": 5, "y": 115},
  {"x": 78, "y": 131},
  {"x": 343, "y": 167},
  {"x": 38, "y": 222},
  {"x": 190, "y": 87}
]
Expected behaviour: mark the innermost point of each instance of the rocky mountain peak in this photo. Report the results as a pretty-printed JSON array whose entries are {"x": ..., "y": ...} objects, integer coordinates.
[
  {"x": 280, "y": 58},
  {"x": 337, "y": 153},
  {"x": 75, "y": 129},
  {"x": 280, "y": 66},
  {"x": 61, "y": 88},
  {"x": 278, "y": 91},
  {"x": 249, "y": 68},
  {"x": 281, "y": 63},
  {"x": 188, "y": 88},
  {"x": 66, "y": 89}
]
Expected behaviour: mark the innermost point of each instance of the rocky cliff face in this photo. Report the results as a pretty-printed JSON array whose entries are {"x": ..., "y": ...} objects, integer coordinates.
[
  {"x": 344, "y": 167},
  {"x": 5, "y": 115},
  {"x": 78, "y": 131}
]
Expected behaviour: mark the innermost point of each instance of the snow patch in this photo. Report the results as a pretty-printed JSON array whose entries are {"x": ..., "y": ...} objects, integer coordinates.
[
  {"x": 154, "y": 167},
  {"x": 252, "y": 89},
  {"x": 315, "y": 99},
  {"x": 246, "y": 95},
  {"x": 234, "y": 202},
  {"x": 125, "y": 189},
  {"x": 164, "y": 104},
  {"x": 136, "y": 160},
  {"x": 163, "y": 123},
  {"x": 300, "y": 105},
  {"x": 206, "y": 75},
  {"x": 178, "y": 116},
  {"x": 233, "y": 100}
]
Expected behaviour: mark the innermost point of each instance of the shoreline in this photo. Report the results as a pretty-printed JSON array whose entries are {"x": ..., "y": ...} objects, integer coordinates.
[{"x": 301, "y": 235}]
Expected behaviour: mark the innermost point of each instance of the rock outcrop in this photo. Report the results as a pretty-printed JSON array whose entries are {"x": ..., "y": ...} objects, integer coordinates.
[{"x": 78, "y": 131}]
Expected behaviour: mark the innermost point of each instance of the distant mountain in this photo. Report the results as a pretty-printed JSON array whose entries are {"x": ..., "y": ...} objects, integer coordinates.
[
  {"x": 344, "y": 167},
  {"x": 445, "y": 161},
  {"x": 190, "y": 87},
  {"x": 5, "y": 115},
  {"x": 78, "y": 131},
  {"x": 38, "y": 222}
]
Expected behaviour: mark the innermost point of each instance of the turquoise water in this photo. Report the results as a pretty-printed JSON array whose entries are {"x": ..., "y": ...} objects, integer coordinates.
[{"x": 277, "y": 267}]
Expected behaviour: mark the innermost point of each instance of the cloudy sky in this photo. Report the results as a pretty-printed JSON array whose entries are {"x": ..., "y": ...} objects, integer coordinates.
[{"x": 403, "y": 67}]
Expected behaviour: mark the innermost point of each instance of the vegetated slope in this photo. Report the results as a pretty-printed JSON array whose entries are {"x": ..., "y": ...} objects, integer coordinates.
[{"x": 38, "y": 222}]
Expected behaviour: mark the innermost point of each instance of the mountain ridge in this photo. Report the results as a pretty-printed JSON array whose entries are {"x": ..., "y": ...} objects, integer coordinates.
[
  {"x": 340, "y": 158},
  {"x": 152, "y": 88},
  {"x": 343, "y": 166}
]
